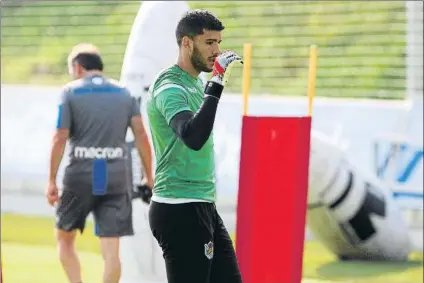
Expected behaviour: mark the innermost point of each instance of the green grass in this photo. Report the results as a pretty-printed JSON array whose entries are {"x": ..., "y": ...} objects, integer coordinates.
[
  {"x": 23, "y": 263},
  {"x": 28, "y": 252},
  {"x": 361, "y": 47}
]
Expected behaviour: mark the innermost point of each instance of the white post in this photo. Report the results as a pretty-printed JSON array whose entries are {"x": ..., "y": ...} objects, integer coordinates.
[
  {"x": 414, "y": 62},
  {"x": 414, "y": 84}
]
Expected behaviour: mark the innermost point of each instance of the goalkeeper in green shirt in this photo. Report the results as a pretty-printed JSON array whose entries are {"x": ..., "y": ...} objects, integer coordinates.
[{"x": 181, "y": 110}]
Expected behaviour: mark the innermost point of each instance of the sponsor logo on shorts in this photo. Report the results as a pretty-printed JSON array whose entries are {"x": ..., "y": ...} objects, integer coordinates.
[
  {"x": 98, "y": 152},
  {"x": 209, "y": 250}
]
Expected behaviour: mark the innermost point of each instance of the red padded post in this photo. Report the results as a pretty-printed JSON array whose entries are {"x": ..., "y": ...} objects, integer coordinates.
[{"x": 272, "y": 198}]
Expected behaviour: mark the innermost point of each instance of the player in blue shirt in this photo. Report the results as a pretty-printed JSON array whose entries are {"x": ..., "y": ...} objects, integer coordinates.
[{"x": 94, "y": 115}]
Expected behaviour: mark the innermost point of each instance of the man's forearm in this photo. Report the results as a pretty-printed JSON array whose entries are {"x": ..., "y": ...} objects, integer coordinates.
[
  {"x": 194, "y": 129},
  {"x": 144, "y": 149},
  {"x": 56, "y": 155}
]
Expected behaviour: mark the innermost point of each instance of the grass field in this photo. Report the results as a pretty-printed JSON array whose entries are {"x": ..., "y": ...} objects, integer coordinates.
[{"x": 29, "y": 255}]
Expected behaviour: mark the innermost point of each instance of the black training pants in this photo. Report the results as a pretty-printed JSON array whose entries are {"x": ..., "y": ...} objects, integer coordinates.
[{"x": 195, "y": 243}]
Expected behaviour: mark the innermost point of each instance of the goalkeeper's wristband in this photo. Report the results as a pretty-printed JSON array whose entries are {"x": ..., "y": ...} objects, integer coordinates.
[{"x": 214, "y": 89}]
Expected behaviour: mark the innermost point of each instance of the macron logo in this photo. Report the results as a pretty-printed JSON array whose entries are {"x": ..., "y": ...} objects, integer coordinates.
[{"x": 98, "y": 152}]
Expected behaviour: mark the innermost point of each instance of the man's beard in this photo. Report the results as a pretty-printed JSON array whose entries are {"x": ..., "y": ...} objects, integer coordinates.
[{"x": 198, "y": 62}]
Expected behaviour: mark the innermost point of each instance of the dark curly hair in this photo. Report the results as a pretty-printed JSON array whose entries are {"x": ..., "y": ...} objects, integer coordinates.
[{"x": 194, "y": 22}]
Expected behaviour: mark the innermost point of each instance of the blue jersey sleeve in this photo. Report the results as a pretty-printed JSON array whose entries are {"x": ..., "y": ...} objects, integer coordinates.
[{"x": 64, "y": 115}]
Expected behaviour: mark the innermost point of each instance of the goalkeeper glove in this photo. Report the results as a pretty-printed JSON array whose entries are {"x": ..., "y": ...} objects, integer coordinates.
[
  {"x": 221, "y": 72},
  {"x": 144, "y": 192}
]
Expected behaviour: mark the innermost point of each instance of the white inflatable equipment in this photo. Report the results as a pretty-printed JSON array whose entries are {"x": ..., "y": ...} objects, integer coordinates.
[{"x": 352, "y": 213}]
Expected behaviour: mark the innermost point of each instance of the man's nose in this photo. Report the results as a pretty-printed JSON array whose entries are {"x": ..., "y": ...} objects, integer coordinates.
[{"x": 216, "y": 50}]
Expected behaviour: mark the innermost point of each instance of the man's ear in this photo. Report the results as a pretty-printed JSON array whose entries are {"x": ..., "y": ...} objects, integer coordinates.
[
  {"x": 187, "y": 43},
  {"x": 78, "y": 68}
]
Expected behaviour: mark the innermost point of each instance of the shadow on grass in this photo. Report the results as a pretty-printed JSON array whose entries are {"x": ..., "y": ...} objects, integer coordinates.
[{"x": 357, "y": 269}]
